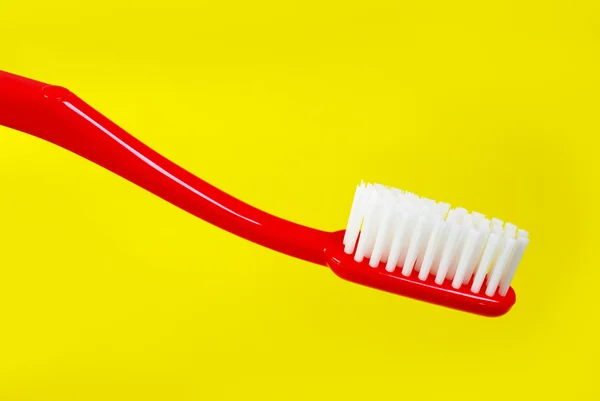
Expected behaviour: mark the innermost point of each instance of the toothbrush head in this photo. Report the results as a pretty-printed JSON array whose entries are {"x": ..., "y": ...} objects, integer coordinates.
[{"x": 412, "y": 246}]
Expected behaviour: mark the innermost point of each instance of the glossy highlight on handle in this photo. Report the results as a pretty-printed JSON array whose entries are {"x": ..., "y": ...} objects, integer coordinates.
[{"x": 55, "y": 114}]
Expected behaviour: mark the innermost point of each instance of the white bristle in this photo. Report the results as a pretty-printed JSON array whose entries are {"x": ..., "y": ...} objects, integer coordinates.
[
  {"x": 411, "y": 222},
  {"x": 381, "y": 240},
  {"x": 355, "y": 220},
  {"x": 428, "y": 203},
  {"x": 415, "y": 245},
  {"x": 397, "y": 241},
  {"x": 428, "y": 227},
  {"x": 433, "y": 241},
  {"x": 468, "y": 220},
  {"x": 499, "y": 266},
  {"x": 367, "y": 234},
  {"x": 489, "y": 253},
  {"x": 448, "y": 252},
  {"x": 510, "y": 230},
  {"x": 484, "y": 224},
  {"x": 465, "y": 258},
  {"x": 477, "y": 218},
  {"x": 461, "y": 213},
  {"x": 519, "y": 250},
  {"x": 443, "y": 209},
  {"x": 466, "y": 226},
  {"x": 431, "y": 249},
  {"x": 477, "y": 254},
  {"x": 439, "y": 248}
]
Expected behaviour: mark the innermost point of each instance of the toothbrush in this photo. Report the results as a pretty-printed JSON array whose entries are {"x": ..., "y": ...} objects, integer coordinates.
[{"x": 394, "y": 241}]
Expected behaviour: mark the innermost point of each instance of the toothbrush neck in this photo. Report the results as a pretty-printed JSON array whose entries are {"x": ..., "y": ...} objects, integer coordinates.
[{"x": 56, "y": 115}]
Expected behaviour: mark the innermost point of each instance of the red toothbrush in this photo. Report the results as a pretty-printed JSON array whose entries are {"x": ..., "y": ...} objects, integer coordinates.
[{"x": 395, "y": 241}]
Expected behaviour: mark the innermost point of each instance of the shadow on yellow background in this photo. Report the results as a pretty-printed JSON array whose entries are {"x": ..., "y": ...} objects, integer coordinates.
[{"x": 110, "y": 293}]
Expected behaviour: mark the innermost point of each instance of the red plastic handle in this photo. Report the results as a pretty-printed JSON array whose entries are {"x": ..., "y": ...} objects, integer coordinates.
[{"x": 58, "y": 116}]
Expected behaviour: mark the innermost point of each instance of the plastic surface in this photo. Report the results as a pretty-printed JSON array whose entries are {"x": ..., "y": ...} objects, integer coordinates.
[
  {"x": 463, "y": 299},
  {"x": 56, "y": 115}
]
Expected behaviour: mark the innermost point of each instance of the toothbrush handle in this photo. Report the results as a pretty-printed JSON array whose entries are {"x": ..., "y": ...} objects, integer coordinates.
[{"x": 56, "y": 115}]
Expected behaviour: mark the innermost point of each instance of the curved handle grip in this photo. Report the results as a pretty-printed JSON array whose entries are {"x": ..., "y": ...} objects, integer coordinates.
[{"x": 58, "y": 116}]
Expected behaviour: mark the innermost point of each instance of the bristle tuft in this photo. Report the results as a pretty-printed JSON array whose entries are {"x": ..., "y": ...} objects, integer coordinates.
[{"x": 414, "y": 235}]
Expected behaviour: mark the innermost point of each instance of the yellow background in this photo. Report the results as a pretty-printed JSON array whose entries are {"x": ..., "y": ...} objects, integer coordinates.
[{"x": 108, "y": 293}]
